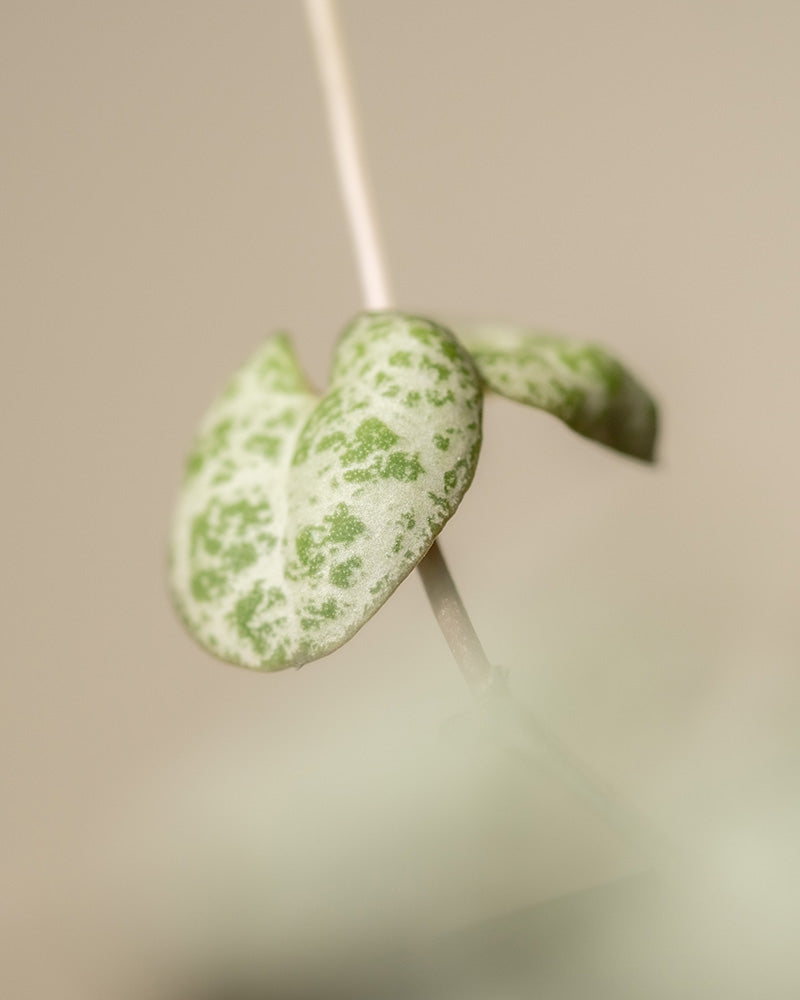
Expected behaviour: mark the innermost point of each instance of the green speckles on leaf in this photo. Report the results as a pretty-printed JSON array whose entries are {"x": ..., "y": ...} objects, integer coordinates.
[
  {"x": 329, "y": 609},
  {"x": 439, "y": 398},
  {"x": 441, "y": 372},
  {"x": 208, "y": 584},
  {"x": 450, "y": 349},
  {"x": 423, "y": 332},
  {"x": 398, "y": 465},
  {"x": 239, "y": 557},
  {"x": 327, "y": 414},
  {"x": 579, "y": 383},
  {"x": 371, "y": 435},
  {"x": 302, "y": 514},
  {"x": 310, "y": 551},
  {"x": 344, "y": 527},
  {"x": 284, "y": 419},
  {"x": 315, "y": 542},
  {"x": 220, "y": 521},
  {"x": 406, "y": 523},
  {"x": 382, "y": 586},
  {"x": 194, "y": 463},
  {"x": 244, "y": 610},
  {"x": 208, "y": 446},
  {"x": 275, "y": 598},
  {"x": 266, "y": 445},
  {"x": 335, "y": 440},
  {"x": 438, "y": 501},
  {"x": 202, "y": 534},
  {"x": 360, "y": 475},
  {"x": 248, "y": 514},
  {"x": 317, "y": 615},
  {"x": 342, "y": 574},
  {"x": 277, "y": 369},
  {"x": 226, "y": 472},
  {"x": 403, "y": 467},
  {"x": 256, "y": 627}
]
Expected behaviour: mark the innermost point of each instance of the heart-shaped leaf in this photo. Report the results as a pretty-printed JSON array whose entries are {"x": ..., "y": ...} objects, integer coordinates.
[
  {"x": 299, "y": 516},
  {"x": 580, "y": 383}
]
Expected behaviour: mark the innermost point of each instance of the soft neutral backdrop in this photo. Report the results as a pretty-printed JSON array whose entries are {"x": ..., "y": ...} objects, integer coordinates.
[{"x": 624, "y": 171}]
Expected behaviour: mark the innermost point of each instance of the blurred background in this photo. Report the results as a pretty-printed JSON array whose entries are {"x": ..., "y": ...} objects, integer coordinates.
[{"x": 622, "y": 171}]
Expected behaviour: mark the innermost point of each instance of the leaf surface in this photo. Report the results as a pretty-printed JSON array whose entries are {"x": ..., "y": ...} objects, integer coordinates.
[
  {"x": 578, "y": 382},
  {"x": 300, "y": 515}
]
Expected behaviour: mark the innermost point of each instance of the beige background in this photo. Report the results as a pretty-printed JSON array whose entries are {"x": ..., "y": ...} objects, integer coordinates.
[{"x": 624, "y": 170}]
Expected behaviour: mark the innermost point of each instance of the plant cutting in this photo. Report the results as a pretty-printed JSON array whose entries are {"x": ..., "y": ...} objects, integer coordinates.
[{"x": 301, "y": 511}]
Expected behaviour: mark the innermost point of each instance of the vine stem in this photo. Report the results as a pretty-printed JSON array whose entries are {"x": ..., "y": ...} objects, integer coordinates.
[
  {"x": 348, "y": 150},
  {"x": 455, "y": 623},
  {"x": 351, "y": 170}
]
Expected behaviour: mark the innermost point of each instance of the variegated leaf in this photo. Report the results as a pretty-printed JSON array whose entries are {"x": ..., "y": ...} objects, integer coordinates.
[
  {"x": 299, "y": 516},
  {"x": 580, "y": 383}
]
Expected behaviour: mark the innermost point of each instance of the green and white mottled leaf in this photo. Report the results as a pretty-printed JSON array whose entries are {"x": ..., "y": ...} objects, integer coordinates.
[
  {"x": 579, "y": 383},
  {"x": 300, "y": 515}
]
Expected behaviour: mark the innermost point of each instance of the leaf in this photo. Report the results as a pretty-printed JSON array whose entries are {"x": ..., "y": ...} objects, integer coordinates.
[
  {"x": 299, "y": 516},
  {"x": 579, "y": 383}
]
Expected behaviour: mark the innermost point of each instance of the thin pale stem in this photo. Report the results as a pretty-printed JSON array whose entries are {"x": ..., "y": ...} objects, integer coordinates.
[
  {"x": 454, "y": 621},
  {"x": 348, "y": 151},
  {"x": 361, "y": 216}
]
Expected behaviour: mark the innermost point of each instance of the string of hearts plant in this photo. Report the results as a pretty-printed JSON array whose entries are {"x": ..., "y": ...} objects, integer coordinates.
[{"x": 300, "y": 513}]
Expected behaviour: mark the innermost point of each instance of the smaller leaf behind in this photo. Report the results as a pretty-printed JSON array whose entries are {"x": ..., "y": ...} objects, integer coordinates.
[{"x": 580, "y": 383}]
